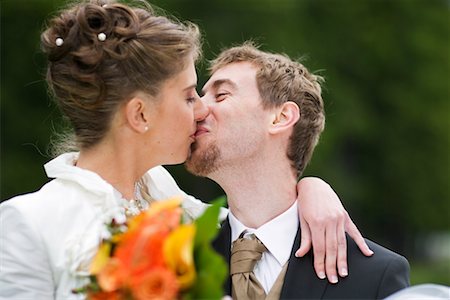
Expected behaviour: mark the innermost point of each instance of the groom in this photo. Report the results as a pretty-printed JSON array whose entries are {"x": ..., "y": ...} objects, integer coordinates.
[{"x": 266, "y": 115}]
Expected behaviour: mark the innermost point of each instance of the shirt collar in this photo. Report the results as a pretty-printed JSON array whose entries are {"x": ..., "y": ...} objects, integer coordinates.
[{"x": 277, "y": 235}]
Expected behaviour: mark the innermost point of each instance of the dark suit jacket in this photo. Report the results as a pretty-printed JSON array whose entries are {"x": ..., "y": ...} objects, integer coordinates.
[{"x": 373, "y": 277}]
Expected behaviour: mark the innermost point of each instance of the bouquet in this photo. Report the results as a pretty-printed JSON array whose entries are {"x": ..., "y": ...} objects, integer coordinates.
[{"x": 155, "y": 255}]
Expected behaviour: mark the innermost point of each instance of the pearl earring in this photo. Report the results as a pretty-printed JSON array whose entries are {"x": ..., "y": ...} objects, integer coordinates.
[{"x": 145, "y": 128}]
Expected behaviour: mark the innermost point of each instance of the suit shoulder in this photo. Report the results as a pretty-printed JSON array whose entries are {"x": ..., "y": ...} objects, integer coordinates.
[
  {"x": 379, "y": 275},
  {"x": 381, "y": 252},
  {"x": 382, "y": 260}
]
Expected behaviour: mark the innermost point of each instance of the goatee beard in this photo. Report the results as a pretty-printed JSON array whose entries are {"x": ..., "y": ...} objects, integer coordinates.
[{"x": 203, "y": 163}]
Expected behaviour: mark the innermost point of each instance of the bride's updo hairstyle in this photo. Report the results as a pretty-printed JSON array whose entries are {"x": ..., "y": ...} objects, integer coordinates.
[{"x": 100, "y": 53}]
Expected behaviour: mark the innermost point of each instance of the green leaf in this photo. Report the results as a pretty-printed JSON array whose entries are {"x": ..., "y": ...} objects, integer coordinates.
[
  {"x": 211, "y": 267},
  {"x": 212, "y": 272},
  {"x": 208, "y": 223}
]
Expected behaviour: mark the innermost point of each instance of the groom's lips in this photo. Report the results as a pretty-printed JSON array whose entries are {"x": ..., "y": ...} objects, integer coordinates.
[{"x": 200, "y": 130}]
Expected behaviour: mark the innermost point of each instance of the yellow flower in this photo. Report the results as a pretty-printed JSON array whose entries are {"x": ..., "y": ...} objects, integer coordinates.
[
  {"x": 101, "y": 258},
  {"x": 179, "y": 254}
]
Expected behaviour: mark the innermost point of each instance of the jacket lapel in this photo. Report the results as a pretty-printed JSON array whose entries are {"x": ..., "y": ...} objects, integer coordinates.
[
  {"x": 300, "y": 281},
  {"x": 222, "y": 245}
]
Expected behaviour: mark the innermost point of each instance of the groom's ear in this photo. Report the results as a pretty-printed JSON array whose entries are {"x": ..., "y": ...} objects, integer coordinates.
[
  {"x": 137, "y": 114},
  {"x": 284, "y": 117}
]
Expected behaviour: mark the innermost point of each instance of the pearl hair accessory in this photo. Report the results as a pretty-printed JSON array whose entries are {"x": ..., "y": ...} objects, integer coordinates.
[
  {"x": 59, "y": 41},
  {"x": 104, "y": 5},
  {"x": 101, "y": 37}
]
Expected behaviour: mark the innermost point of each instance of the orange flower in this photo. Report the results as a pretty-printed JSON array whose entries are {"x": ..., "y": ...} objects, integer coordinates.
[
  {"x": 142, "y": 250},
  {"x": 155, "y": 213},
  {"x": 158, "y": 283},
  {"x": 104, "y": 296},
  {"x": 112, "y": 276}
]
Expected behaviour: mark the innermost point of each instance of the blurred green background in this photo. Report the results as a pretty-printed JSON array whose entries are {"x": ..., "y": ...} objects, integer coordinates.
[{"x": 385, "y": 149}]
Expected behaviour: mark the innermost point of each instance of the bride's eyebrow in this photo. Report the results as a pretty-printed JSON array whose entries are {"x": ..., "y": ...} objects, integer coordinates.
[{"x": 192, "y": 86}]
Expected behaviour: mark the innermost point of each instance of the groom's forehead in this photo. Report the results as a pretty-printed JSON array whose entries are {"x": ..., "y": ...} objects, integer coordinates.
[{"x": 231, "y": 76}]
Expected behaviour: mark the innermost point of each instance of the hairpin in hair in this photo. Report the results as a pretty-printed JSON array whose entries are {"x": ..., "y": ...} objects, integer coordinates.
[
  {"x": 101, "y": 37},
  {"x": 59, "y": 41}
]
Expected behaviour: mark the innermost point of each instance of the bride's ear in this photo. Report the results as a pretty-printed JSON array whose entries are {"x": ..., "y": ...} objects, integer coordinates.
[
  {"x": 136, "y": 114},
  {"x": 284, "y": 117}
]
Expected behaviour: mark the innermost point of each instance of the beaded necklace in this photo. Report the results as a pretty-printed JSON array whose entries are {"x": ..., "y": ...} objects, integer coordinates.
[{"x": 141, "y": 201}]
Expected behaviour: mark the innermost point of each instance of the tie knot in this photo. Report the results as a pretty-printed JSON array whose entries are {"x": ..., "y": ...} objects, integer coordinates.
[{"x": 244, "y": 255}]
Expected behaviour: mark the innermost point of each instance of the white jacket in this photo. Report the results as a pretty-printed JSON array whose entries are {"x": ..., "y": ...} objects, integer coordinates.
[{"x": 49, "y": 237}]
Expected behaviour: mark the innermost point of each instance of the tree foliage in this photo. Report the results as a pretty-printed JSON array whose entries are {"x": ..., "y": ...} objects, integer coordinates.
[{"x": 385, "y": 149}]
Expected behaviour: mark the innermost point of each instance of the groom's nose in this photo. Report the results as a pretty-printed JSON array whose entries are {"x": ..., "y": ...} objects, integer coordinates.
[{"x": 201, "y": 110}]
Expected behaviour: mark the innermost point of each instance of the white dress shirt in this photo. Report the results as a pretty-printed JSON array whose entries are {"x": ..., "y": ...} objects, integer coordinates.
[{"x": 278, "y": 236}]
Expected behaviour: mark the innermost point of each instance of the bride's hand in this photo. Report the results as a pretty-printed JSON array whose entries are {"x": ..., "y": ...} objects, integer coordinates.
[{"x": 323, "y": 222}]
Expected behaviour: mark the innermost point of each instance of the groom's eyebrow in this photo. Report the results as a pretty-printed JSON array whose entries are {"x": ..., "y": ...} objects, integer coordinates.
[{"x": 217, "y": 83}]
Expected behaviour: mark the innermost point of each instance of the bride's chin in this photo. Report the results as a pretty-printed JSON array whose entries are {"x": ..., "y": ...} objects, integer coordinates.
[{"x": 186, "y": 156}]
